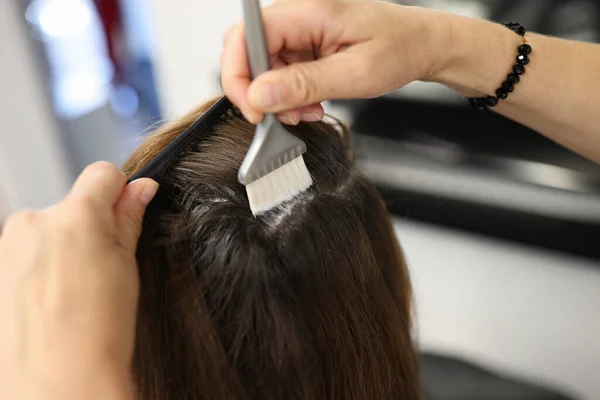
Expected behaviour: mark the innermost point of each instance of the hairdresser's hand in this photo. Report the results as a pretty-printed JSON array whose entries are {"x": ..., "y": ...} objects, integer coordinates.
[
  {"x": 68, "y": 291},
  {"x": 333, "y": 49}
]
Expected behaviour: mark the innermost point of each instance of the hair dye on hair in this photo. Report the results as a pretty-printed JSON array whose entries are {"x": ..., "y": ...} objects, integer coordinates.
[{"x": 310, "y": 300}]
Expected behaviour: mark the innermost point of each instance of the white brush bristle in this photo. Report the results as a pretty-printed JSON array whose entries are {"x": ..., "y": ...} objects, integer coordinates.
[{"x": 278, "y": 186}]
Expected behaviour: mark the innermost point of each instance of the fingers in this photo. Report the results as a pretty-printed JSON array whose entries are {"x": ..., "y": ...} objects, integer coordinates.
[
  {"x": 293, "y": 27},
  {"x": 100, "y": 183},
  {"x": 237, "y": 95},
  {"x": 130, "y": 209},
  {"x": 21, "y": 225},
  {"x": 235, "y": 72},
  {"x": 311, "y": 113},
  {"x": 339, "y": 76},
  {"x": 103, "y": 186}
]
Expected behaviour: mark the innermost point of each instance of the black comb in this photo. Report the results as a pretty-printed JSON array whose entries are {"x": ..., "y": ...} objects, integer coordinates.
[{"x": 161, "y": 162}]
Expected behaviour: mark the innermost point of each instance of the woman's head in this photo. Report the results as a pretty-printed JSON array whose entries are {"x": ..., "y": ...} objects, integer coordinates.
[{"x": 310, "y": 300}]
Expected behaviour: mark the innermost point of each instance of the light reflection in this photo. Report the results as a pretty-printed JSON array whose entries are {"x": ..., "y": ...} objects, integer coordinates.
[
  {"x": 59, "y": 18},
  {"x": 80, "y": 69}
]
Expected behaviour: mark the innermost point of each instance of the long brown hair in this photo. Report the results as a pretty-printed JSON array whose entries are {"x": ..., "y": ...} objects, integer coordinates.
[{"x": 310, "y": 300}]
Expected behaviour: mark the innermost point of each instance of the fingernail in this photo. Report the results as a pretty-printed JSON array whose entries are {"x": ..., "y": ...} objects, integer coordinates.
[
  {"x": 270, "y": 97},
  {"x": 311, "y": 117},
  {"x": 288, "y": 120},
  {"x": 148, "y": 192},
  {"x": 253, "y": 117}
]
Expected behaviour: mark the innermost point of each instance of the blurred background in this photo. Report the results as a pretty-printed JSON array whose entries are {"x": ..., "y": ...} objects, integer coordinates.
[{"x": 500, "y": 226}]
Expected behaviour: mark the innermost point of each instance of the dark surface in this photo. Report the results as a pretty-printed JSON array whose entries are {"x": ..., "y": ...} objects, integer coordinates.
[
  {"x": 479, "y": 136},
  {"x": 571, "y": 237},
  {"x": 478, "y": 133},
  {"x": 446, "y": 378}
]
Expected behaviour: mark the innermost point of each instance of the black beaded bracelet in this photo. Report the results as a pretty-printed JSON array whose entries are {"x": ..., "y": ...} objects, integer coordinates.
[{"x": 514, "y": 77}]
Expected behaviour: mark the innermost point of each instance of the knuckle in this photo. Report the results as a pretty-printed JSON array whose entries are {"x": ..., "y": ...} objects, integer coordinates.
[
  {"x": 103, "y": 167},
  {"x": 79, "y": 212},
  {"x": 327, "y": 8},
  {"x": 231, "y": 33},
  {"x": 304, "y": 87},
  {"x": 21, "y": 219},
  {"x": 83, "y": 207},
  {"x": 104, "y": 170}
]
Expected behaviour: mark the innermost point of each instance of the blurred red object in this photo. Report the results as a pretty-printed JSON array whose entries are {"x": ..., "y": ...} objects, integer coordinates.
[{"x": 112, "y": 20}]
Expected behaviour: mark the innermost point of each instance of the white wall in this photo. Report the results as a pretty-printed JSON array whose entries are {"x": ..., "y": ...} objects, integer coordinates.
[
  {"x": 33, "y": 167},
  {"x": 525, "y": 311},
  {"x": 529, "y": 312},
  {"x": 4, "y": 203},
  {"x": 188, "y": 46},
  {"x": 189, "y": 40}
]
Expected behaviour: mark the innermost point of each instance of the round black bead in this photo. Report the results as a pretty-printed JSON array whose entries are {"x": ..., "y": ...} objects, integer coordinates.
[
  {"x": 478, "y": 103},
  {"x": 491, "y": 101},
  {"x": 519, "y": 69},
  {"x": 522, "y": 59},
  {"x": 525, "y": 49},
  {"x": 513, "y": 26},
  {"x": 513, "y": 78},
  {"x": 502, "y": 93},
  {"x": 520, "y": 30},
  {"x": 508, "y": 86},
  {"x": 482, "y": 103}
]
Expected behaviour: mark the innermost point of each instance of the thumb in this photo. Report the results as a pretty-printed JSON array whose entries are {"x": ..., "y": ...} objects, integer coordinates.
[
  {"x": 339, "y": 76},
  {"x": 130, "y": 210}
]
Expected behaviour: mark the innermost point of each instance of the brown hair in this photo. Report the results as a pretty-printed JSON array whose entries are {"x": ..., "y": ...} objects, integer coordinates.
[{"x": 310, "y": 300}]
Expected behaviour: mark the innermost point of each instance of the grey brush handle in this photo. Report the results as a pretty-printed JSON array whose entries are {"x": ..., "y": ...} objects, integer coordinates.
[
  {"x": 256, "y": 41},
  {"x": 272, "y": 146}
]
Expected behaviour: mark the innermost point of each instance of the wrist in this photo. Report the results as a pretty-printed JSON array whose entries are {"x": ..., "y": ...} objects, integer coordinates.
[
  {"x": 100, "y": 386},
  {"x": 433, "y": 48},
  {"x": 478, "y": 56},
  {"x": 120, "y": 387},
  {"x": 109, "y": 382}
]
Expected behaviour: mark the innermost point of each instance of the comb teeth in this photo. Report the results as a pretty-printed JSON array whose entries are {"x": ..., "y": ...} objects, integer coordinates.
[
  {"x": 283, "y": 183},
  {"x": 172, "y": 151}
]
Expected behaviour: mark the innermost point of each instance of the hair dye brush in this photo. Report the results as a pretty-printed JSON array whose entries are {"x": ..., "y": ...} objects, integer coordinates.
[{"x": 273, "y": 170}]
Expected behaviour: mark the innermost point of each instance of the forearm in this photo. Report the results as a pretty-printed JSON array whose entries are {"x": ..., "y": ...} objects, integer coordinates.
[
  {"x": 100, "y": 386},
  {"x": 558, "y": 96}
]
